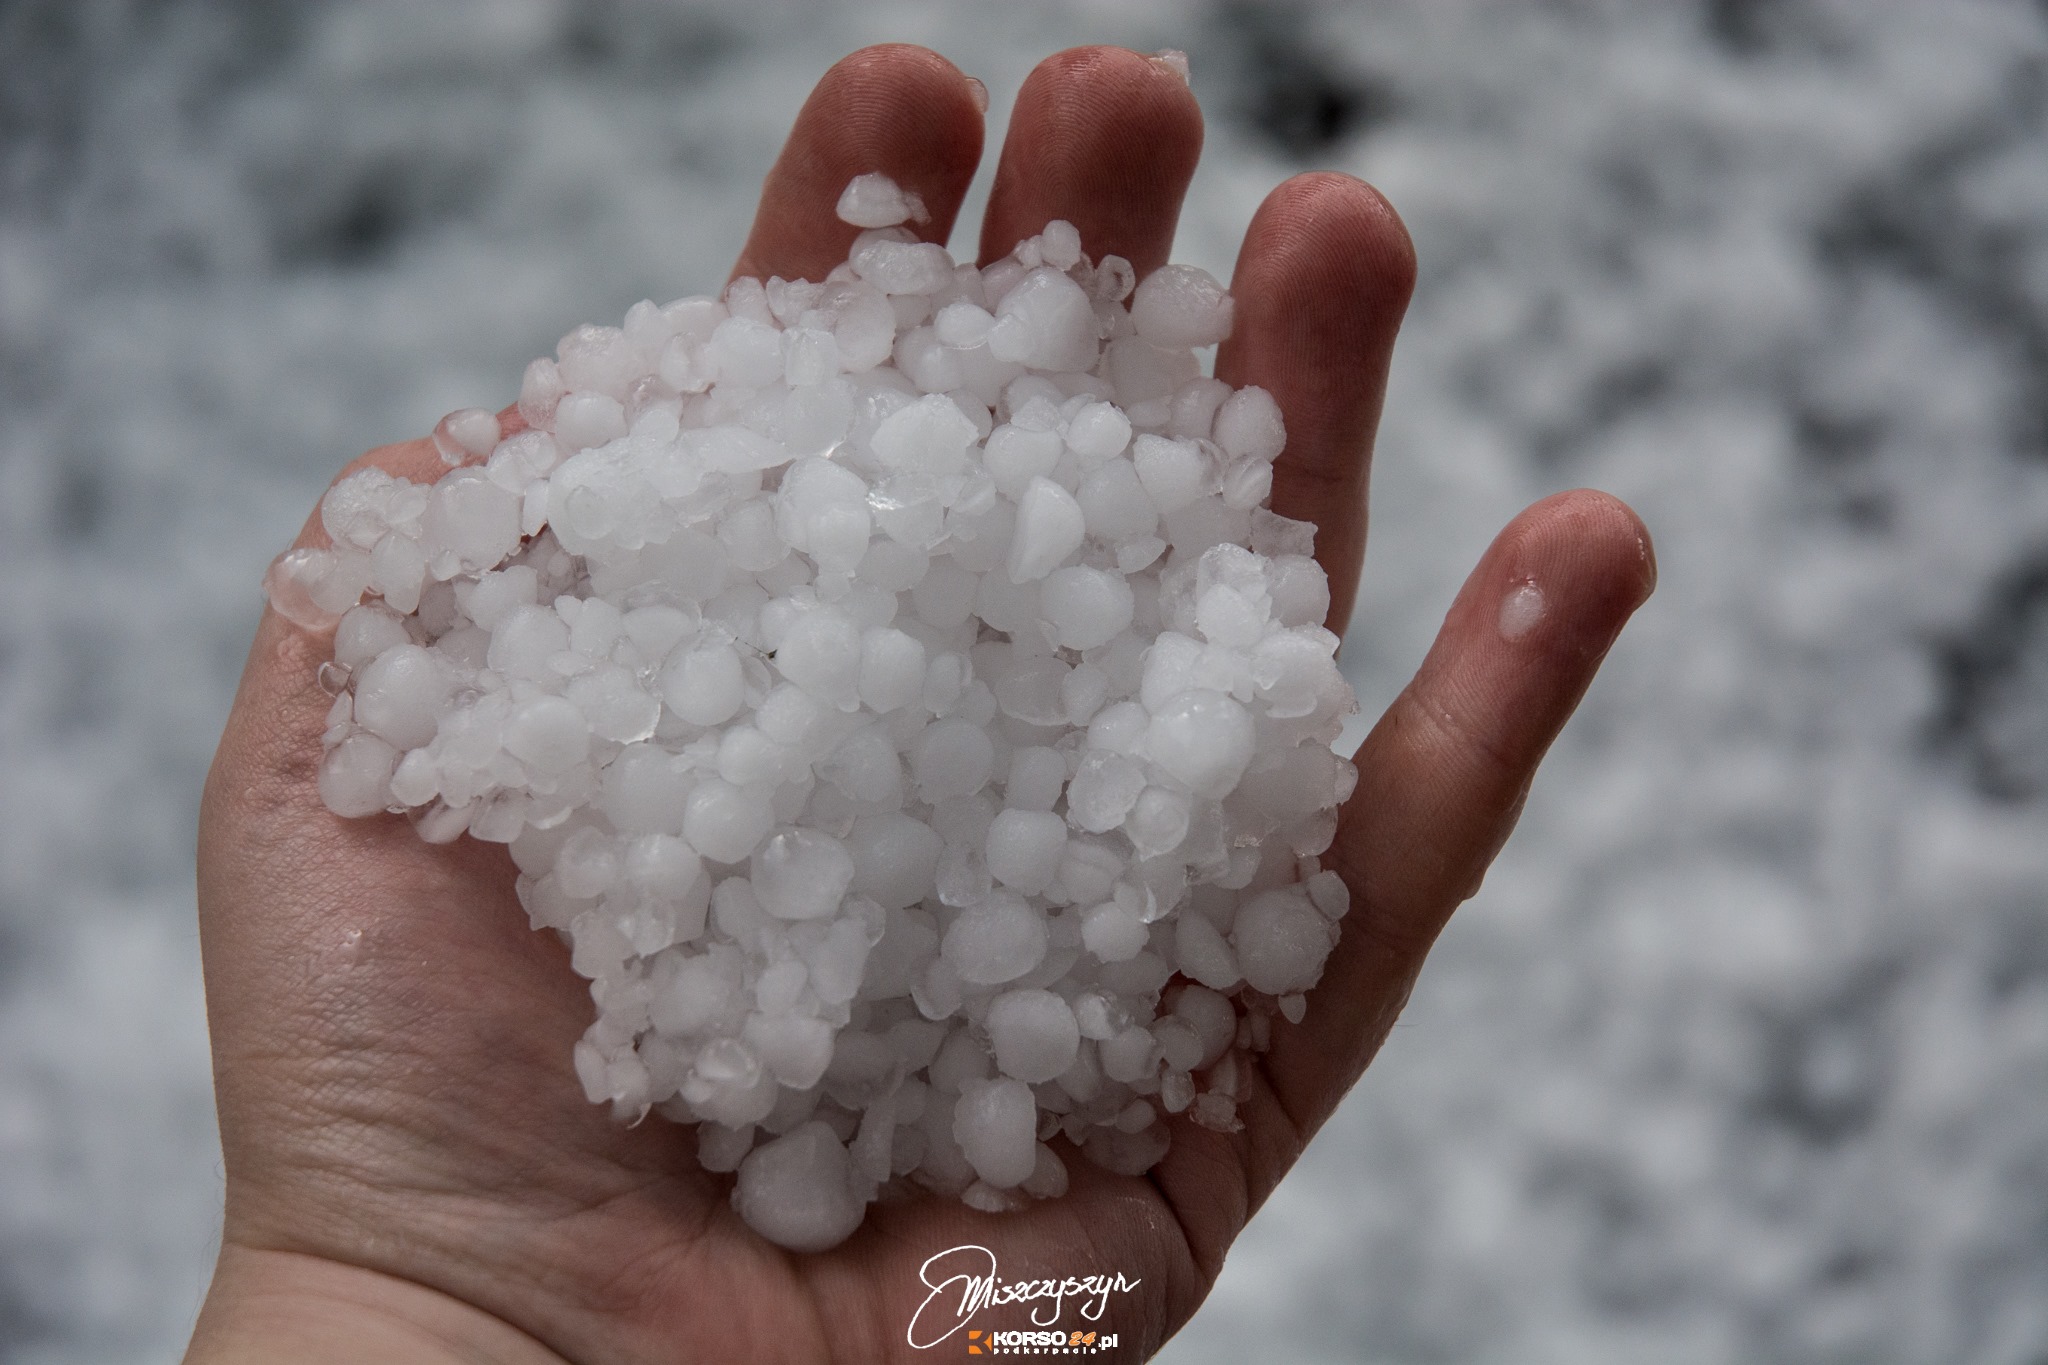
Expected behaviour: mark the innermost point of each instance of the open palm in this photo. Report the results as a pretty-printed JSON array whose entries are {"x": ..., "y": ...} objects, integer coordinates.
[{"x": 412, "y": 1170}]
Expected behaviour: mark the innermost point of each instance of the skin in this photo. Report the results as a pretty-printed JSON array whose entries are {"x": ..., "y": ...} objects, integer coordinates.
[{"x": 412, "y": 1171}]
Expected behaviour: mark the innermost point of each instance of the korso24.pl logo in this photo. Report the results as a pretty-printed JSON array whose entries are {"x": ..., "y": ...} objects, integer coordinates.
[{"x": 1039, "y": 1343}]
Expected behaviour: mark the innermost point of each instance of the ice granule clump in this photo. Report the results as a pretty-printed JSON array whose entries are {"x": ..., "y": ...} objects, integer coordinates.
[{"x": 896, "y": 691}]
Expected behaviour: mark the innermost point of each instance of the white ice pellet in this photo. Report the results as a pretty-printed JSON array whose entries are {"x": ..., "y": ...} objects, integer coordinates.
[
  {"x": 1086, "y": 607},
  {"x": 548, "y": 734},
  {"x": 996, "y": 1122},
  {"x": 364, "y": 632},
  {"x": 1034, "y": 1034},
  {"x": 704, "y": 684},
  {"x": 951, "y": 758},
  {"x": 897, "y": 265},
  {"x": 465, "y": 435},
  {"x": 744, "y": 352},
  {"x": 1049, "y": 527},
  {"x": 1282, "y": 941},
  {"x": 355, "y": 776},
  {"x": 475, "y": 521},
  {"x": 1046, "y": 321},
  {"x": 724, "y": 822},
  {"x": 1248, "y": 425},
  {"x": 1202, "y": 954},
  {"x": 397, "y": 571},
  {"x": 1172, "y": 473},
  {"x": 891, "y": 669},
  {"x": 896, "y": 690},
  {"x": 1113, "y": 933},
  {"x": 585, "y": 420},
  {"x": 1115, "y": 506},
  {"x": 1035, "y": 778},
  {"x": 400, "y": 695},
  {"x": 895, "y": 858},
  {"x": 1213, "y": 1018},
  {"x": 876, "y": 201},
  {"x": 996, "y": 940},
  {"x": 540, "y": 391},
  {"x": 798, "y": 1191},
  {"x": 962, "y": 324},
  {"x": 1015, "y": 455},
  {"x": 801, "y": 874},
  {"x": 821, "y": 653},
  {"x": 931, "y": 436},
  {"x": 1025, "y": 849},
  {"x": 1181, "y": 305},
  {"x": 1098, "y": 431}
]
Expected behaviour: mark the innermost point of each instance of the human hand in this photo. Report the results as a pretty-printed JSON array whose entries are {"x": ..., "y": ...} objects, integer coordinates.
[{"x": 412, "y": 1170}]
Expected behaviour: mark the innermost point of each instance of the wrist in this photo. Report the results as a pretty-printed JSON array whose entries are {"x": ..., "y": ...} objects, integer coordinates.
[{"x": 266, "y": 1306}]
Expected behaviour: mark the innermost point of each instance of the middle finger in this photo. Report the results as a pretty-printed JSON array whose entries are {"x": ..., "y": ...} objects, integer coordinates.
[{"x": 1106, "y": 139}]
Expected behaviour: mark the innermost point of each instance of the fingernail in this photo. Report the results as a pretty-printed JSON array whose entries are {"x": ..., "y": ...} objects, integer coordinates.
[
  {"x": 1174, "y": 60},
  {"x": 979, "y": 93}
]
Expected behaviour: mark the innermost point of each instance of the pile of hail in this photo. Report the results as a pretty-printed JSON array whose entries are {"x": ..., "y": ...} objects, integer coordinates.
[{"x": 896, "y": 691}]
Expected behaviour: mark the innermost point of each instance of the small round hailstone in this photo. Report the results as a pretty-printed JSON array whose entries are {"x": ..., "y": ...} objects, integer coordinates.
[
  {"x": 1113, "y": 933},
  {"x": 876, "y": 201},
  {"x": 821, "y": 653},
  {"x": 355, "y": 777},
  {"x": 1172, "y": 473},
  {"x": 1050, "y": 526},
  {"x": 1212, "y": 1017},
  {"x": 1034, "y": 781},
  {"x": 465, "y": 435},
  {"x": 895, "y": 858},
  {"x": 1098, "y": 431},
  {"x": 1282, "y": 942},
  {"x": 802, "y": 874},
  {"x": 724, "y": 822},
  {"x": 365, "y": 632},
  {"x": 995, "y": 1122},
  {"x": 798, "y": 1191},
  {"x": 548, "y": 734},
  {"x": 1045, "y": 321},
  {"x": 894, "y": 689},
  {"x": 1016, "y": 455},
  {"x": 997, "y": 940},
  {"x": 704, "y": 685},
  {"x": 1248, "y": 424},
  {"x": 1203, "y": 738},
  {"x": 952, "y": 758},
  {"x": 1033, "y": 1033},
  {"x": 1114, "y": 504},
  {"x": 1086, "y": 607},
  {"x": 400, "y": 696},
  {"x": 1026, "y": 848},
  {"x": 1181, "y": 305}
]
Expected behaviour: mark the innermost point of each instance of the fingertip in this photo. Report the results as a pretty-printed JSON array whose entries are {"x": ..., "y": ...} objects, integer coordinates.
[
  {"x": 894, "y": 108},
  {"x": 913, "y": 110},
  {"x": 1105, "y": 138},
  {"x": 1091, "y": 65},
  {"x": 1332, "y": 227},
  {"x": 1321, "y": 285},
  {"x": 1586, "y": 556}
]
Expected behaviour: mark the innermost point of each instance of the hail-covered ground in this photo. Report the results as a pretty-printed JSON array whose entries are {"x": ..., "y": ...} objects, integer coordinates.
[{"x": 1738, "y": 1056}]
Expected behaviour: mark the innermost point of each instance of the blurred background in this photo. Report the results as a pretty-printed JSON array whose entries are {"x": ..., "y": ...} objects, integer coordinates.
[{"x": 1742, "y": 1053}]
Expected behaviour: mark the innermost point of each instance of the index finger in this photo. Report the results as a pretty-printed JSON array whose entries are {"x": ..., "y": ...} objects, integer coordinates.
[{"x": 1321, "y": 284}]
